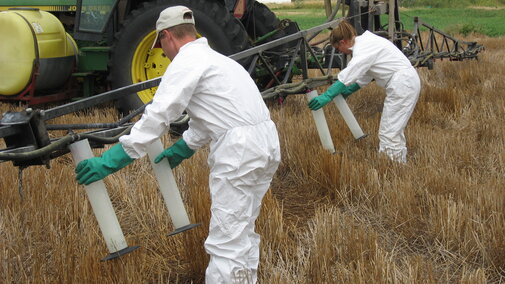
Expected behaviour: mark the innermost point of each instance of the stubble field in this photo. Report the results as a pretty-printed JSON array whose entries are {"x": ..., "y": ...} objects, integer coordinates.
[{"x": 351, "y": 217}]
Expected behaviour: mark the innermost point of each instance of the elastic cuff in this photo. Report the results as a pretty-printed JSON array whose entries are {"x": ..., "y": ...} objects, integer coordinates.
[{"x": 335, "y": 89}]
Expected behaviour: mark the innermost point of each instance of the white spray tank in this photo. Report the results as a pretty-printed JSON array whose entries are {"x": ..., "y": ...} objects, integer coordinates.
[{"x": 35, "y": 50}]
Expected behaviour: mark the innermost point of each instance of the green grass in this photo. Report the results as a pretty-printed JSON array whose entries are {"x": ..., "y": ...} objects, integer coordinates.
[
  {"x": 451, "y": 3},
  {"x": 459, "y": 20},
  {"x": 452, "y": 20},
  {"x": 306, "y": 18}
]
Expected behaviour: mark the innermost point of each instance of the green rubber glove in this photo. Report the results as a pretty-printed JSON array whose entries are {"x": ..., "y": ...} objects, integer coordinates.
[
  {"x": 175, "y": 154},
  {"x": 93, "y": 169},
  {"x": 351, "y": 89},
  {"x": 326, "y": 97}
]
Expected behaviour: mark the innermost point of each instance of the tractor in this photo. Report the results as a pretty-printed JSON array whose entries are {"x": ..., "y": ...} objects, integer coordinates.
[{"x": 89, "y": 46}]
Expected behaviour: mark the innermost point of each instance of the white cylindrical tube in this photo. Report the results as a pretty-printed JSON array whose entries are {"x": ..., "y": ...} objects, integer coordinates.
[
  {"x": 100, "y": 202},
  {"x": 168, "y": 186},
  {"x": 321, "y": 125},
  {"x": 349, "y": 118}
]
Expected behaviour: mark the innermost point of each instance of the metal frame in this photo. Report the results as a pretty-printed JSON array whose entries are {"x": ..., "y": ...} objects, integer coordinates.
[
  {"x": 437, "y": 45},
  {"x": 420, "y": 53}
]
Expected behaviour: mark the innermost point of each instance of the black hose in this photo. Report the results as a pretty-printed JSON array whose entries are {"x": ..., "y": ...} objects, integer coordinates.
[
  {"x": 60, "y": 144},
  {"x": 40, "y": 152}
]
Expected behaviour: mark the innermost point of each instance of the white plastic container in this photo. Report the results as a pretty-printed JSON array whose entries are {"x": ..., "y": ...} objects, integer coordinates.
[
  {"x": 321, "y": 125},
  {"x": 169, "y": 190},
  {"x": 349, "y": 118},
  {"x": 100, "y": 202}
]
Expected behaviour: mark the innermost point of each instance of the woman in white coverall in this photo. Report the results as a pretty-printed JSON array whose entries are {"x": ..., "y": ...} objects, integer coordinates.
[
  {"x": 374, "y": 57},
  {"x": 225, "y": 109}
]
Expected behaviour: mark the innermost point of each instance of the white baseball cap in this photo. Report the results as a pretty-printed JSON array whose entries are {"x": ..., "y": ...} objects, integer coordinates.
[{"x": 173, "y": 16}]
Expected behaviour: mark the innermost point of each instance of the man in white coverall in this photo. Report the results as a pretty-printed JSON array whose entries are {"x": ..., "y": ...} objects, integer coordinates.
[
  {"x": 225, "y": 109},
  {"x": 374, "y": 57}
]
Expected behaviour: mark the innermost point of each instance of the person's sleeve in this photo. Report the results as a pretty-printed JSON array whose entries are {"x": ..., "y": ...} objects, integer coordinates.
[
  {"x": 171, "y": 99},
  {"x": 364, "y": 80},
  {"x": 362, "y": 60},
  {"x": 195, "y": 138}
]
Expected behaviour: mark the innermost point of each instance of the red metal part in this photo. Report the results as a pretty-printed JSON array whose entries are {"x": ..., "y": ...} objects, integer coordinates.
[
  {"x": 28, "y": 94},
  {"x": 240, "y": 9}
]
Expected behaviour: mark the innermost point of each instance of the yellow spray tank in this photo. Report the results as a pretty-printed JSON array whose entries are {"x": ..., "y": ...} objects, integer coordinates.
[{"x": 35, "y": 51}]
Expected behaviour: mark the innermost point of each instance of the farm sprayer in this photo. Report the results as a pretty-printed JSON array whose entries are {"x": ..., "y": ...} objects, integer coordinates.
[{"x": 277, "y": 55}]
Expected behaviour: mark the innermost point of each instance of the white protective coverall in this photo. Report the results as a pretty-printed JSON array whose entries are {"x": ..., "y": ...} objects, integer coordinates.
[
  {"x": 227, "y": 110},
  {"x": 374, "y": 57}
]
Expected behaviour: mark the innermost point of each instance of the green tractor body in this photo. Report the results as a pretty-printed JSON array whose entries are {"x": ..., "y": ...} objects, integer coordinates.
[{"x": 50, "y": 5}]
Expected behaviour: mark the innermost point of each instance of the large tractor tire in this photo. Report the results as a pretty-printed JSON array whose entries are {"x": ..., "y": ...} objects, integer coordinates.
[
  {"x": 261, "y": 21},
  {"x": 133, "y": 60}
]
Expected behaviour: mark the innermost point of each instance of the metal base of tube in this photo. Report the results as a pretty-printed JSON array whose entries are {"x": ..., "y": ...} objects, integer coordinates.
[
  {"x": 184, "y": 228},
  {"x": 362, "y": 137},
  {"x": 120, "y": 253}
]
